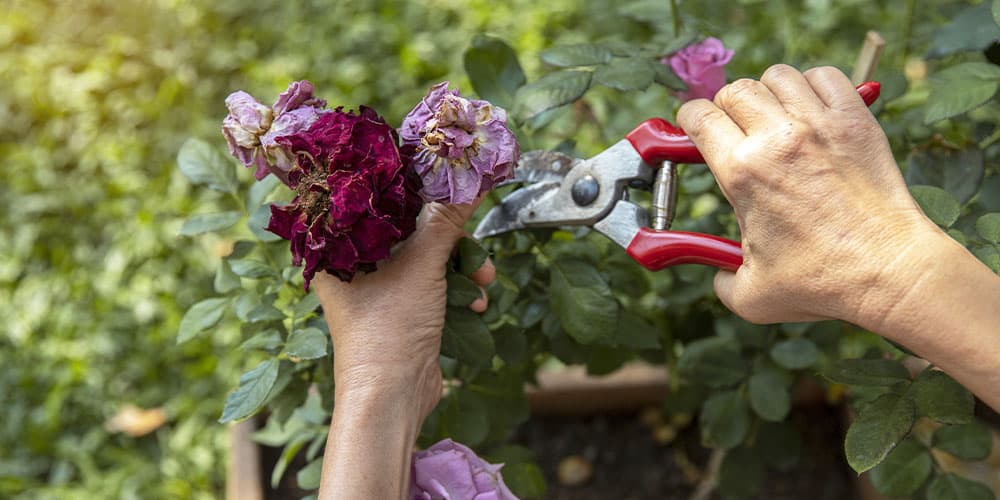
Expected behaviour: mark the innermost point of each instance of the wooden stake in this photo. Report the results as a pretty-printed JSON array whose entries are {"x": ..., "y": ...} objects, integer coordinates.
[
  {"x": 243, "y": 477},
  {"x": 864, "y": 68}
]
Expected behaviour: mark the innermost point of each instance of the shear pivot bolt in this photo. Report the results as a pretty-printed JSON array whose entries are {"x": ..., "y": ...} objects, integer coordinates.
[{"x": 585, "y": 190}]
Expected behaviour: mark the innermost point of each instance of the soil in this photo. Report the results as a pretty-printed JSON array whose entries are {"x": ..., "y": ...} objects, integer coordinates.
[{"x": 630, "y": 465}]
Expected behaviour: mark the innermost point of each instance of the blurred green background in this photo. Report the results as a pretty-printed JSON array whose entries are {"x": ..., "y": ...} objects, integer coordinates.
[{"x": 95, "y": 100}]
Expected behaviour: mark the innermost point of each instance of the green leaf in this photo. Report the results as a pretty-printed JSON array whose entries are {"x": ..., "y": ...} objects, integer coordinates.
[
  {"x": 511, "y": 344},
  {"x": 990, "y": 255},
  {"x": 724, "y": 420},
  {"x": 465, "y": 418},
  {"x": 649, "y": 11},
  {"x": 308, "y": 476},
  {"x": 264, "y": 312},
  {"x": 795, "y": 354},
  {"x": 471, "y": 256},
  {"x": 961, "y": 88},
  {"x": 868, "y": 372},
  {"x": 996, "y": 12},
  {"x": 493, "y": 70},
  {"x": 258, "y": 220},
  {"x": 307, "y": 343},
  {"x": 988, "y": 226},
  {"x": 626, "y": 73},
  {"x": 769, "y": 396},
  {"x": 877, "y": 429},
  {"x": 741, "y": 473},
  {"x": 520, "y": 472},
  {"x": 637, "y": 333},
  {"x": 259, "y": 190},
  {"x": 466, "y": 338},
  {"x": 903, "y": 471},
  {"x": 306, "y": 305},
  {"x": 959, "y": 172},
  {"x": 953, "y": 487},
  {"x": 550, "y": 91},
  {"x": 203, "y": 164},
  {"x": 972, "y": 441},
  {"x": 582, "y": 300},
  {"x": 713, "y": 361},
  {"x": 584, "y": 54},
  {"x": 461, "y": 290},
  {"x": 665, "y": 76},
  {"x": 287, "y": 454},
  {"x": 266, "y": 340},
  {"x": 971, "y": 29},
  {"x": 225, "y": 279},
  {"x": 939, "y": 397},
  {"x": 939, "y": 206},
  {"x": 210, "y": 223},
  {"x": 249, "y": 268},
  {"x": 254, "y": 387},
  {"x": 200, "y": 317}
]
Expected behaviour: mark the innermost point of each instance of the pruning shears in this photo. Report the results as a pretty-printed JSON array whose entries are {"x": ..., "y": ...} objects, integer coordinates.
[{"x": 559, "y": 190}]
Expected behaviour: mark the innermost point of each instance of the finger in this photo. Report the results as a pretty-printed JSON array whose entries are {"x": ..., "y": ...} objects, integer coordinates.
[
  {"x": 834, "y": 88},
  {"x": 485, "y": 274},
  {"x": 479, "y": 305},
  {"x": 712, "y": 131},
  {"x": 750, "y": 104},
  {"x": 792, "y": 90}
]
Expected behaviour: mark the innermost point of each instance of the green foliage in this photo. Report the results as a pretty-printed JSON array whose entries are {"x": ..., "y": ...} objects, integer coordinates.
[
  {"x": 904, "y": 470},
  {"x": 878, "y": 428},
  {"x": 971, "y": 441}
]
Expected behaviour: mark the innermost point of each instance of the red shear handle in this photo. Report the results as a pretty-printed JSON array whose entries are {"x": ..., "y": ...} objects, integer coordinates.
[
  {"x": 658, "y": 249},
  {"x": 658, "y": 141}
]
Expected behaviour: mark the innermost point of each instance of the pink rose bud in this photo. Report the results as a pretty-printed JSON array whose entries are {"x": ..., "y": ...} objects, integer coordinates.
[
  {"x": 451, "y": 471},
  {"x": 459, "y": 147},
  {"x": 355, "y": 199},
  {"x": 702, "y": 66}
]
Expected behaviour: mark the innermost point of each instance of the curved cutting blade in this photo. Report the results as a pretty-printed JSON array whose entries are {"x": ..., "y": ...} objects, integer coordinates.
[
  {"x": 541, "y": 166},
  {"x": 507, "y": 216}
]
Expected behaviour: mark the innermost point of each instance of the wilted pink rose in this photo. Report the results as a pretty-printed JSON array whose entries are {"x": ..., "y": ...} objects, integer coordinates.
[
  {"x": 355, "y": 199},
  {"x": 252, "y": 129},
  {"x": 459, "y": 147},
  {"x": 702, "y": 66},
  {"x": 451, "y": 471}
]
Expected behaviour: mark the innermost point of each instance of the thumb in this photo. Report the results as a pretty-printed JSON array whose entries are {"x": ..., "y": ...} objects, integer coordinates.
[
  {"x": 725, "y": 284},
  {"x": 441, "y": 226}
]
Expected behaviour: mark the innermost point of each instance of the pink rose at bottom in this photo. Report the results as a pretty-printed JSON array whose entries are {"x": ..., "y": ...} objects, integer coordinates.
[
  {"x": 702, "y": 66},
  {"x": 355, "y": 198},
  {"x": 451, "y": 471}
]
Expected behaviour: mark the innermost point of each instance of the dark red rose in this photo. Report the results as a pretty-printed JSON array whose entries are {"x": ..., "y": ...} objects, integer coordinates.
[{"x": 355, "y": 199}]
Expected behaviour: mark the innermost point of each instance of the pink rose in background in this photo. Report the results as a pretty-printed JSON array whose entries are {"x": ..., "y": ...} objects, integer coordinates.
[
  {"x": 451, "y": 471},
  {"x": 702, "y": 66},
  {"x": 459, "y": 147}
]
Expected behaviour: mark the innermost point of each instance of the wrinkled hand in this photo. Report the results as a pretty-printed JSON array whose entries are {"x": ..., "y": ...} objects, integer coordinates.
[
  {"x": 386, "y": 326},
  {"x": 826, "y": 219}
]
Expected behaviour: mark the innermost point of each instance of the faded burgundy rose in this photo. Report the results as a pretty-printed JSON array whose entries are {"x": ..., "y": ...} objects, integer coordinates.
[
  {"x": 702, "y": 66},
  {"x": 252, "y": 129},
  {"x": 355, "y": 199},
  {"x": 451, "y": 471},
  {"x": 459, "y": 147}
]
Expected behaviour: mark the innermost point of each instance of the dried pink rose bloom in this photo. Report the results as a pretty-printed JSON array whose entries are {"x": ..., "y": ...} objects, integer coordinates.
[
  {"x": 451, "y": 471},
  {"x": 459, "y": 147},
  {"x": 702, "y": 66},
  {"x": 355, "y": 198},
  {"x": 252, "y": 129}
]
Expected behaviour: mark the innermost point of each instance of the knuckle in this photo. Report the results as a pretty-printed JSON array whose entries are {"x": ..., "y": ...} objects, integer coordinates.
[
  {"x": 442, "y": 217},
  {"x": 823, "y": 71},
  {"x": 778, "y": 71},
  {"x": 735, "y": 91}
]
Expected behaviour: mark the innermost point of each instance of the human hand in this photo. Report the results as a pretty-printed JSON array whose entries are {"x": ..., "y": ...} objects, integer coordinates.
[
  {"x": 829, "y": 229},
  {"x": 386, "y": 326}
]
